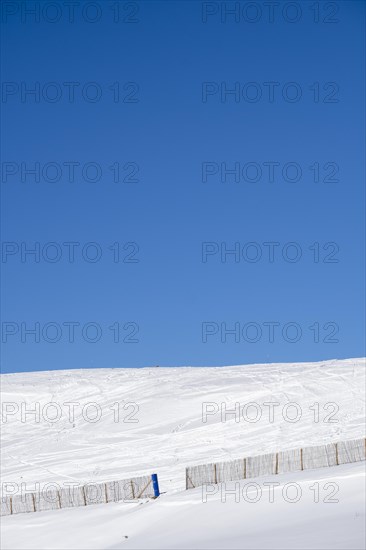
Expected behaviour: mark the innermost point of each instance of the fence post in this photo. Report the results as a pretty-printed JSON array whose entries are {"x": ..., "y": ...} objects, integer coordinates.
[
  {"x": 276, "y": 470},
  {"x": 215, "y": 473},
  {"x": 302, "y": 460},
  {"x": 155, "y": 482},
  {"x": 132, "y": 490},
  {"x": 336, "y": 450}
]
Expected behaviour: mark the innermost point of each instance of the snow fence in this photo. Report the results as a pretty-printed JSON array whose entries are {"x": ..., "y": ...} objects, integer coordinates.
[
  {"x": 78, "y": 495},
  {"x": 321, "y": 456}
]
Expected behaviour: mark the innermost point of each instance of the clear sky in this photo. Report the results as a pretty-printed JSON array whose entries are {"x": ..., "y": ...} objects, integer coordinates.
[{"x": 162, "y": 136}]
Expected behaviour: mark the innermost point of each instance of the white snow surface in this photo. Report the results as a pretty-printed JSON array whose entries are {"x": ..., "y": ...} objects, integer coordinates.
[
  {"x": 170, "y": 434},
  {"x": 164, "y": 431},
  {"x": 184, "y": 520}
]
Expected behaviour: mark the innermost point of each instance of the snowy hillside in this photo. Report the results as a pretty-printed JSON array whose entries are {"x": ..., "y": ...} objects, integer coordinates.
[
  {"x": 185, "y": 521},
  {"x": 95, "y": 425},
  {"x": 126, "y": 422}
]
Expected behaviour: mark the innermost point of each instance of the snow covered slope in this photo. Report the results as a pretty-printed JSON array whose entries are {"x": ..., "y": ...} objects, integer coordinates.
[
  {"x": 126, "y": 422},
  {"x": 321, "y": 509}
]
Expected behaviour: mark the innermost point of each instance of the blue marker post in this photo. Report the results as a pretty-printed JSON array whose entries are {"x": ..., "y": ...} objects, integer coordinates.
[{"x": 155, "y": 482}]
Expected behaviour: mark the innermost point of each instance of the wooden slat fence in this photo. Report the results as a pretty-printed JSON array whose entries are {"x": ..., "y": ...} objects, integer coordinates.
[
  {"x": 81, "y": 495},
  {"x": 321, "y": 456}
]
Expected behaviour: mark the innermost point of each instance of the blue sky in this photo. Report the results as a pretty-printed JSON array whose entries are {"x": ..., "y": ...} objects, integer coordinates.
[{"x": 173, "y": 96}]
